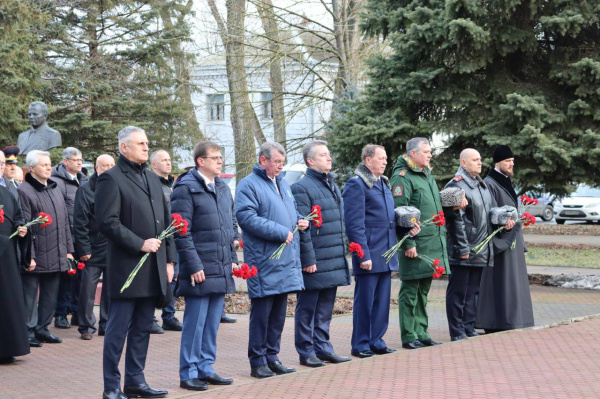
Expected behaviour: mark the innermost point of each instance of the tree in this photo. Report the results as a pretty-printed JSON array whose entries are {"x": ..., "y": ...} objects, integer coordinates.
[{"x": 483, "y": 73}]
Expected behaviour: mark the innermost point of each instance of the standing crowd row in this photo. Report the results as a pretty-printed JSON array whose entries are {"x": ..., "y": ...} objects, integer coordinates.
[{"x": 109, "y": 221}]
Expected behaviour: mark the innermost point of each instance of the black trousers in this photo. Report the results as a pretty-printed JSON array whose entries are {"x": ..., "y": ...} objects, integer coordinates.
[
  {"x": 129, "y": 319},
  {"x": 48, "y": 289},
  {"x": 312, "y": 318},
  {"x": 267, "y": 318},
  {"x": 90, "y": 276},
  {"x": 68, "y": 294},
  {"x": 461, "y": 299}
]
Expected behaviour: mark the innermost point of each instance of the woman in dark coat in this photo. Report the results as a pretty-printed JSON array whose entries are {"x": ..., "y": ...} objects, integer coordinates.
[{"x": 13, "y": 329}]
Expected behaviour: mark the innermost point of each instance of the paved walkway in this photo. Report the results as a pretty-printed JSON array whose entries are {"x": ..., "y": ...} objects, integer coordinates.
[
  {"x": 563, "y": 239},
  {"x": 551, "y": 362}
]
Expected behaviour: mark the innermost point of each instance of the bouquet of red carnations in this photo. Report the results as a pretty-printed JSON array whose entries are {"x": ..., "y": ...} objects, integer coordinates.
[
  {"x": 357, "y": 249},
  {"x": 438, "y": 270},
  {"x": 314, "y": 216},
  {"x": 438, "y": 219},
  {"x": 244, "y": 271},
  {"x": 43, "y": 218}
]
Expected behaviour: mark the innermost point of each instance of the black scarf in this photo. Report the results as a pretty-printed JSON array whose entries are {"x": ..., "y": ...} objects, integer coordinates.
[{"x": 503, "y": 181}]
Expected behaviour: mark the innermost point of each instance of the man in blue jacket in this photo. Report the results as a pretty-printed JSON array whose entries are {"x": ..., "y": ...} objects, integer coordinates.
[
  {"x": 323, "y": 257},
  {"x": 371, "y": 222},
  {"x": 206, "y": 256},
  {"x": 266, "y": 212}
]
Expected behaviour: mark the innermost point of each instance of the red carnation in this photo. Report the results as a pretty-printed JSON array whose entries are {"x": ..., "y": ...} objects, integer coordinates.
[
  {"x": 244, "y": 271},
  {"x": 71, "y": 271},
  {"x": 440, "y": 270},
  {"x": 1, "y": 215},
  {"x": 241, "y": 244},
  {"x": 46, "y": 219},
  {"x": 355, "y": 247},
  {"x": 317, "y": 218},
  {"x": 80, "y": 265},
  {"x": 436, "y": 262}
]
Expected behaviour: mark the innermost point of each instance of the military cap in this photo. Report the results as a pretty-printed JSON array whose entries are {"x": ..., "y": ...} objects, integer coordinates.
[{"x": 11, "y": 153}]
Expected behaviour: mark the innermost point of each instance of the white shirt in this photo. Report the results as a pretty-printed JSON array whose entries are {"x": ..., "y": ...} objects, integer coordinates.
[
  {"x": 500, "y": 172},
  {"x": 206, "y": 179},
  {"x": 274, "y": 180}
]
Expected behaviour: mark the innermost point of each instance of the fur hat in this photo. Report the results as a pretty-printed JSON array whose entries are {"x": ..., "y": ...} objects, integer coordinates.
[
  {"x": 406, "y": 216},
  {"x": 501, "y": 153},
  {"x": 452, "y": 196},
  {"x": 499, "y": 216}
]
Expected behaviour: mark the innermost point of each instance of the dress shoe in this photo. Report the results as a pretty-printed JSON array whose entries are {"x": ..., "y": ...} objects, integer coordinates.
[
  {"x": 101, "y": 332},
  {"x": 227, "y": 319},
  {"x": 428, "y": 342},
  {"x": 216, "y": 379},
  {"x": 143, "y": 391},
  {"x": 279, "y": 368},
  {"x": 416, "y": 344},
  {"x": 172, "y": 325},
  {"x": 333, "y": 358},
  {"x": 74, "y": 319},
  {"x": 383, "y": 351},
  {"x": 193, "y": 385},
  {"x": 156, "y": 329},
  {"x": 458, "y": 338},
  {"x": 48, "y": 338},
  {"x": 7, "y": 360},
  {"x": 34, "y": 343},
  {"x": 363, "y": 354},
  {"x": 113, "y": 394},
  {"x": 472, "y": 333},
  {"x": 61, "y": 322},
  {"x": 86, "y": 336},
  {"x": 262, "y": 371},
  {"x": 311, "y": 361}
]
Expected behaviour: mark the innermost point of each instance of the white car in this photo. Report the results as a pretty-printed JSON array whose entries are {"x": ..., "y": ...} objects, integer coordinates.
[
  {"x": 582, "y": 204},
  {"x": 294, "y": 172}
]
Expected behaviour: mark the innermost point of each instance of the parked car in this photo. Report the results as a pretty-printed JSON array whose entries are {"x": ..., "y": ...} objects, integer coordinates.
[
  {"x": 294, "y": 172},
  {"x": 544, "y": 209},
  {"x": 582, "y": 204}
]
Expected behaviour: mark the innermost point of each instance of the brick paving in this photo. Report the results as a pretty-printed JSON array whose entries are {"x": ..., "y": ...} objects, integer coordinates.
[{"x": 557, "y": 361}]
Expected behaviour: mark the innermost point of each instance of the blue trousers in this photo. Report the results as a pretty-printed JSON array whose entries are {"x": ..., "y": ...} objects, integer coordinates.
[
  {"x": 67, "y": 300},
  {"x": 201, "y": 320},
  {"x": 311, "y": 321},
  {"x": 267, "y": 318},
  {"x": 129, "y": 319},
  {"x": 169, "y": 312},
  {"x": 461, "y": 299},
  {"x": 371, "y": 314}
]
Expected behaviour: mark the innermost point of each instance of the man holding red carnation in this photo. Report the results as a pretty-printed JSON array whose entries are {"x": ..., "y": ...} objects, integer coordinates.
[
  {"x": 505, "y": 299},
  {"x": 206, "y": 258}
]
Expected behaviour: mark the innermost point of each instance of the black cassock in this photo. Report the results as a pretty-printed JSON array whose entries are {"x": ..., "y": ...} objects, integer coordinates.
[
  {"x": 504, "y": 297},
  {"x": 14, "y": 339}
]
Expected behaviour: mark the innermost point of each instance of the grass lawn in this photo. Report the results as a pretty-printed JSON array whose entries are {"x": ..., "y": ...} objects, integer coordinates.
[{"x": 564, "y": 257}]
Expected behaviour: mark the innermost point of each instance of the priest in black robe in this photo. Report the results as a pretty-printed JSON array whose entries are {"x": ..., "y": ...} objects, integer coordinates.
[
  {"x": 14, "y": 337},
  {"x": 504, "y": 297}
]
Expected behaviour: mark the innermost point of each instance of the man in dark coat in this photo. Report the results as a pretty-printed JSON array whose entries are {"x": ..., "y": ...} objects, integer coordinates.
[
  {"x": 90, "y": 246},
  {"x": 468, "y": 227},
  {"x": 504, "y": 299},
  {"x": 51, "y": 247},
  {"x": 13, "y": 329},
  {"x": 207, "y": 256},
  {"x": 371, "y": 222},
  {"x": 68, "y": 177},
  {"x": 131, "y": 211},
  {"x": 7, "y": 177},
  {"x": 323, "y": 257},
  {"x": 266, "y": 212}
]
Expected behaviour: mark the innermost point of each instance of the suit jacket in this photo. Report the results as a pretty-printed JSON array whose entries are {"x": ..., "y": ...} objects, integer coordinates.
[{"x": 130, "y": 208}]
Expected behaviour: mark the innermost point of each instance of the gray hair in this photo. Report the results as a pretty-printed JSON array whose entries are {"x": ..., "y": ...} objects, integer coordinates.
[
  {"x": 126, "y": 132},
  {"x": 40, "y": 104},
  {"x": 414, "y": 144},
  {"x": 369, "y": 150},
  {"x": 69, "y": 152},
  {"x": 309, "y": 149},
  {"x": 33, "y": 157},
  {"x": 266, "y": 150},
  {"x": 155, "y": 154}
]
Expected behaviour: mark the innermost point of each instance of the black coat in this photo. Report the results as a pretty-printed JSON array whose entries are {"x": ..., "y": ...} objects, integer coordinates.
[
  {"x": 86, "y": 235},
  {"x": 324, "y": 246},
  {"x": 130, "y": 208},
  {"x": 208, "y": 245},
  {"x": 49, "y": 245},
  {"x": 68, "y": 187}
]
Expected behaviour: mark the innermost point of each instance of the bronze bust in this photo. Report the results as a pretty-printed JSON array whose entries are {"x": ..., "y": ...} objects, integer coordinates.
[{"x": 40, "y": 136}]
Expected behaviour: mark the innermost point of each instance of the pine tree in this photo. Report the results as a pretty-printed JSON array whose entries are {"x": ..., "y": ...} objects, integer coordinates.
[{"x": 483, "y": 73}]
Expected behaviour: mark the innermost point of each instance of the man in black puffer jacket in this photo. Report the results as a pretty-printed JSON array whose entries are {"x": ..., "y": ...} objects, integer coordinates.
[{"x": 323, "y": 257}]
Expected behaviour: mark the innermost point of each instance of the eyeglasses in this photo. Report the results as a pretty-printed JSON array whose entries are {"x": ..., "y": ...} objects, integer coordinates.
[
  {"x": 76, "y": 160},
  {"x": 216, "y": 159},
  {"x": 278, "y": 163}
]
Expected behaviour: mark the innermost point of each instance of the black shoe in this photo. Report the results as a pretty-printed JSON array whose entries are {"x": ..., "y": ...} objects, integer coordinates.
[
  {"x": 279, "y": 368},
  {"x": 34, "y": 343},
  {"x": 113, "y": 394},
  {"x": 472, "y": 334},
  {"x": 383, "y": 351},
  {"x": 193, "y": 385},
  {"x": 311, "y": 361},
  {"x": 416, "y": 344},
  {"x": 227, "y": 319},
  {"x": 333, "y": 358},
  {"x": 458, "y": 338},
  {"x": 48, "y": 338},
  {"x": 143, "y": 391},
  {"x": 262, "y": 371},
  {"x": 156, "y": 329},
  {"x": 216, "y": 379},
  {"x": 363, "y": 354},
  {"x": 7, "y": 360},
  {"x": 61, "y": 322},
  {"x": 74, "y": 319},
  {"x": 428, "y": 342},
  {"x": 101, "y": 332},
  {"x": 172, "y": 325}
]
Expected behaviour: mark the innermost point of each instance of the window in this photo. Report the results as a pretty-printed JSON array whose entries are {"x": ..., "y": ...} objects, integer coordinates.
[
  {"x": 216, "y": 107},
  {"x": 267, "y": 105}
]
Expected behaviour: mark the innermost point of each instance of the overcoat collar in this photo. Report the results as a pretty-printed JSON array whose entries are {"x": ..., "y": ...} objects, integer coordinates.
[
  {"x": 131, "y": 168},
  {"x": 469, "y": 179},
  {"x": 504, "y": 182},
  {"x": 39, "y": 186},
  {"x": 365, "y": 174}
]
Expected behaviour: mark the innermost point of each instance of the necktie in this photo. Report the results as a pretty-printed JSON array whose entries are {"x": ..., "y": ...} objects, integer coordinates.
[{"x": 211, "y": 187}]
